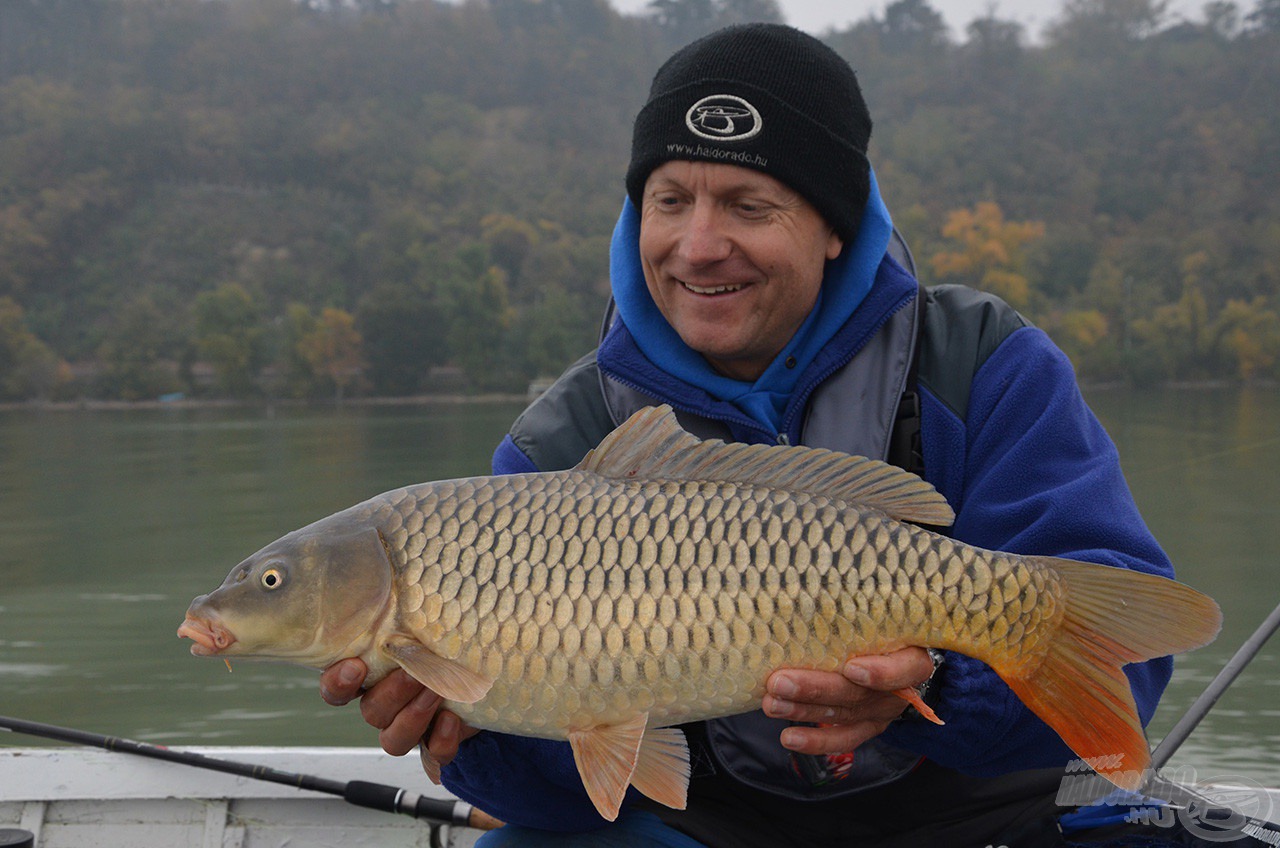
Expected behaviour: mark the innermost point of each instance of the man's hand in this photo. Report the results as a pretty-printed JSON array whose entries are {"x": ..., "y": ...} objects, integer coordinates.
[
  {"x": 859, "y": 701},
  {"x": 403, "y": 710}
]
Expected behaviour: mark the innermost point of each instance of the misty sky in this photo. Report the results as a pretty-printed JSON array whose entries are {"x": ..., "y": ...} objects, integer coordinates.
[{"x": 817, "y": 15}]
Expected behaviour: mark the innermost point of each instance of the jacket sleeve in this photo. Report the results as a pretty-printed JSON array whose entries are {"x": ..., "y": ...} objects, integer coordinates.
[
  {"x": 521, "y": 780},
  {"x": 1029, "y": 470}
]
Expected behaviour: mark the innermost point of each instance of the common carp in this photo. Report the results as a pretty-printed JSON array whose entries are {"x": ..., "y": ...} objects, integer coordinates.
[{"x": 663, "y": 579}]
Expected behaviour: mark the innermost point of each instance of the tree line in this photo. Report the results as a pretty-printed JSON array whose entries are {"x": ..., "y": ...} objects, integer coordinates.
[{"x": 388, "y": 197}]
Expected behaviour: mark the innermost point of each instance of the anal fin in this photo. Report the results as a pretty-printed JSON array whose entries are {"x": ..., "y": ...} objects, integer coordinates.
[
  {"x": 450, "y": 680},
  {"x": 662, "y": 770}
]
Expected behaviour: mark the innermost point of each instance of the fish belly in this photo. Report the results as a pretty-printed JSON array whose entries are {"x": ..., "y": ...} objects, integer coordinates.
[{"x": 590, "y": 600}]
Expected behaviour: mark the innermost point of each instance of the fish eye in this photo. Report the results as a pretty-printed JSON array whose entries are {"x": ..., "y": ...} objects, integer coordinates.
[{"x": 272, "y": 578}]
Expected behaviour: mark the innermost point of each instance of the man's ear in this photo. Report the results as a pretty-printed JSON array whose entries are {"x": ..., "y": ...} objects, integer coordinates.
[{"x": 835, "y": 244}]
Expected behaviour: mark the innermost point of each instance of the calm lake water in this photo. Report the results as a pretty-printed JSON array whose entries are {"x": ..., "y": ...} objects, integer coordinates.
[{"x": 111, "y": 521}]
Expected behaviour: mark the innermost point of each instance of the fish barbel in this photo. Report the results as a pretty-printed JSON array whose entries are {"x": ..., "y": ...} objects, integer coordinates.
[{"x": 663, "y": 579}]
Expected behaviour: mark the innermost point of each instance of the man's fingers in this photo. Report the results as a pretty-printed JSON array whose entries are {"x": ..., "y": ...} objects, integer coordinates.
[
  {"x": 837, "y": 739},
  {"x": 871, "y": 706},
  {"x": 340, "y": 683},
  {"x": 447, "y": 734},
  {"x": 400, "y": 707},
  {"x": 408, "y": 726},
  {"x": 902, "y": 669},
  {"x": 384, "y": 701},
  {"x": 822, "y": 689},
  {"x": 858, "y": 703},
  {"x": 861, "y": 679}
]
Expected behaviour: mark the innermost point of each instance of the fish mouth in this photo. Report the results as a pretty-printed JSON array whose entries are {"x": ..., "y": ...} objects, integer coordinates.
[{"x": 210, "y": 638}]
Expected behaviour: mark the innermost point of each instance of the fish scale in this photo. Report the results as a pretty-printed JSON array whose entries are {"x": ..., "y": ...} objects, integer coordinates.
[
  {"x": 702, "y": 568},
  {"x": 663, "y": 579}
]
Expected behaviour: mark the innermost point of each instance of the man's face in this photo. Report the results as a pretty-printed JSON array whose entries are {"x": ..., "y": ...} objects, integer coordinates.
[{"x": 733, "y": 259}]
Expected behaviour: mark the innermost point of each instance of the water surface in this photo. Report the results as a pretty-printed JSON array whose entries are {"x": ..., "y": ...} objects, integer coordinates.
[{"x": 111, "y": 521}]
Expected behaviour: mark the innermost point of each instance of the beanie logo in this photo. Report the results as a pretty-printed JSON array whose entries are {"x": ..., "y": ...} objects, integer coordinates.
[{"x": 723, "y": 117}]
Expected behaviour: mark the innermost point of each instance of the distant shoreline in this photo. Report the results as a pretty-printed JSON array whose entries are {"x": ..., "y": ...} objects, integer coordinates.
[
  {"x": 446, "y": 399},
  {"x": 224, "y": 403}
]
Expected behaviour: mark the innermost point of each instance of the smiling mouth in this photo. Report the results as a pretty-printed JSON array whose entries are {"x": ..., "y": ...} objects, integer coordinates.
[{"x": 712, "y": 289}]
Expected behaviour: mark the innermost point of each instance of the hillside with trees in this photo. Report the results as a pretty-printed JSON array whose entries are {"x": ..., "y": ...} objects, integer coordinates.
[{"x": 245, "y": 198}]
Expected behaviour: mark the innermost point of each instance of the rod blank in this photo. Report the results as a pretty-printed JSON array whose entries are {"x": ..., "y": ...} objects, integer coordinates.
[{"x": 362, "y": 793}]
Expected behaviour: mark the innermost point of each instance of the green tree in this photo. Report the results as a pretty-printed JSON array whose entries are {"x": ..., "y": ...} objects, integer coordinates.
[
  {"x": 1105, "y": 24},
  {"x": 137, "y": 352},
  {"x": 913, "y": 25},
  {"x": 1247, "y": 334},
  {"x": 749, "y": 11},
  {"x": 230, "y": 337},
  {"x": 295, "y": 377},
  {"x": 28, "y": 368},
  {"x": 690, "y": 17},
  {"x": 1222, "y": 18},
  {"x": 1180, "y": 335},
  {"x": 480, "y": 316},
  {"x": 404, "y": 330},
  {"x": 1265, "y": 17},
  {"x": 333, "y": 350}
]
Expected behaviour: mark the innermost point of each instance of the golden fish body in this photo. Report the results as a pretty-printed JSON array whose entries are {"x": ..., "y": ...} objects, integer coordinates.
[
  {"x": 585, "y": 601},
  {"x": 663, "y": 579}
]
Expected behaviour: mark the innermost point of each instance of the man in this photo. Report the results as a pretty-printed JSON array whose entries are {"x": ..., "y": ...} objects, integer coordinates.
[{"x": 755, "y": 295}]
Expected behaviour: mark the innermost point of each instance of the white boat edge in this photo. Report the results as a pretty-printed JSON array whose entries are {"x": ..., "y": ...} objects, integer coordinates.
[
  {"x": 87, "y": 797},
  {"x": 69, "y": 796}
]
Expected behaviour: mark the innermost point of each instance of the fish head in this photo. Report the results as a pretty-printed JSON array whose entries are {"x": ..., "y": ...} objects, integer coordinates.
[{"x": 312, "y": 597}]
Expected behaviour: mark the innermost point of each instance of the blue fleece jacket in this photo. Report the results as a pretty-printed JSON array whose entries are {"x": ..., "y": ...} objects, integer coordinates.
[{"x": 1027, "y": 469}]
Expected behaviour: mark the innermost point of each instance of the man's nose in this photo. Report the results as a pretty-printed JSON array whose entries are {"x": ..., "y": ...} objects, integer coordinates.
[{"x": 704, "y": 238}]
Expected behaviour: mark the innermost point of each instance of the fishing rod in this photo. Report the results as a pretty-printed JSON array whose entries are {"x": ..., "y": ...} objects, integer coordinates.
[
  {"x": 1201, "y": 706},
  {"x": 1215, "y": 820},
  {"x": 362, "y": 793},
  {"x": 1234, "y": 823}
]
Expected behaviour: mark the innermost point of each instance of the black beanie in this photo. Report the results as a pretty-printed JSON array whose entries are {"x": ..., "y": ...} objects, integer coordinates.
[{"x": 767, "y": 97}]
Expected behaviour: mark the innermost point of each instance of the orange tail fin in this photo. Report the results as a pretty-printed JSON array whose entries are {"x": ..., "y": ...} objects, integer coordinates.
[{"x": 1113, "y": 617}]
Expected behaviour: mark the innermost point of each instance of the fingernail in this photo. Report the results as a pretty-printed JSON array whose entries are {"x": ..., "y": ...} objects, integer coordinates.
[
  {"x": 348, "y": 674},
  {"x": 791, "y": 738},
  {"x": 777, "y": 707},
  {"x": 855, "y": 673},
  {"x": 783, "y": 686},
  {"x": 425, "y": 700},
  {"x": 447, "y": 725}
]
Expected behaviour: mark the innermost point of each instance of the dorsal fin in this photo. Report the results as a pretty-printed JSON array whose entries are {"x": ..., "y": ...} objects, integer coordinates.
[{"x": 650, "y": 445}]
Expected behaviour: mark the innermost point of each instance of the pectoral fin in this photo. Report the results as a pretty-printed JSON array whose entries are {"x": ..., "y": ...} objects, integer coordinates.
[
  {"x": 449, "y": 679},
  {"x": 606, "y": 757}
]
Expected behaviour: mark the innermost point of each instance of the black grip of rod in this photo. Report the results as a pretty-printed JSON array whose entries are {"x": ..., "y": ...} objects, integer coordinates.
[
  {"x": 376, "y": 796},
  {"x": 379, "y": 796}
]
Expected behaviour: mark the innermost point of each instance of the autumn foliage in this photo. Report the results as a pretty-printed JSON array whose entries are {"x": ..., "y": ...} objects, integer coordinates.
[{"x": 328, "y": 199}]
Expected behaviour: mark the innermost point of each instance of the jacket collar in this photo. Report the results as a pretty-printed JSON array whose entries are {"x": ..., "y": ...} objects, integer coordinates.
[{"x": 621, "y": 359}]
